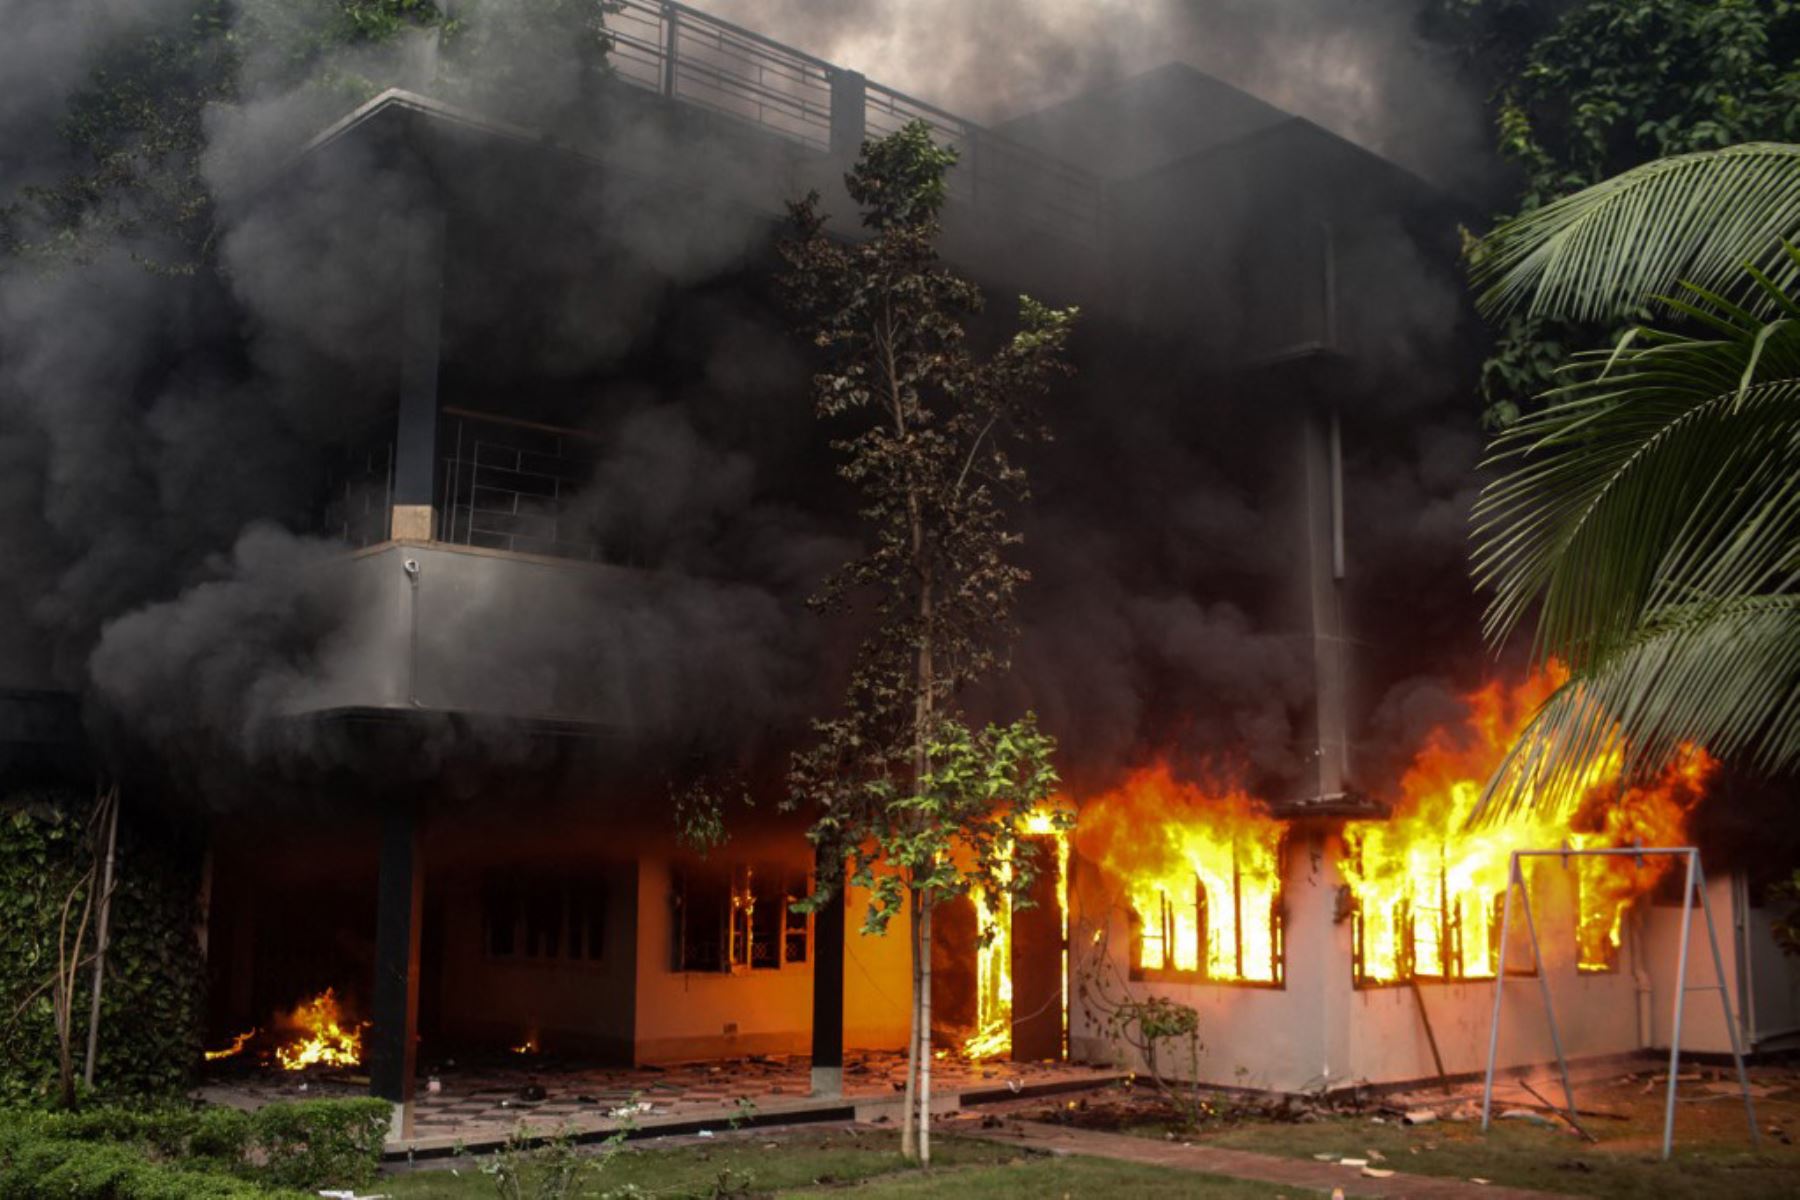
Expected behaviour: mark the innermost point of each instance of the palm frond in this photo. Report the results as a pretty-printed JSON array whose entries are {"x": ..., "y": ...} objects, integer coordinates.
[
  {"x": 1665, "y": 473},
  {"x": 1723, "y": 675},
  {"x": 1606, "y": 250}
]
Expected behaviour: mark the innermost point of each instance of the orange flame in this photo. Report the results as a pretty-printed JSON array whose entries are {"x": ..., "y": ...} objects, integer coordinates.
[
  {"x": 324, "y": 1036},
  {"x": 1429, "y": 888},
  {"x": 1202, "y": 868},
  {"x": 993, "y": 949},
  {"x": 237, "y": 1046},
  {"x": 1201, "y": 863}
]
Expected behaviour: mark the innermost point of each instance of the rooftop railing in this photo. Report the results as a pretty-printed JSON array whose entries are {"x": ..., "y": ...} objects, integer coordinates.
[{"x": 693, "y": 57}]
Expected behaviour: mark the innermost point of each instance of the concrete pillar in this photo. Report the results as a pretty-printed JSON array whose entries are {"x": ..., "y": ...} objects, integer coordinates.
[
  {"x": 828, "y": 994},
  {"x": 415, "y": 435},
  {"x": 849, "y": 97},
  {"x": 1322, "y": 473},
  {"x": 399, "y": 910}
]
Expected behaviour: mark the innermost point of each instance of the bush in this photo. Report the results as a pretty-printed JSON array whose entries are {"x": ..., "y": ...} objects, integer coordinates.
[
  {"x": 318, "y": 1142},
  {"x": 36, "y": 1164},
  {"x": 210, "y": 1153}
]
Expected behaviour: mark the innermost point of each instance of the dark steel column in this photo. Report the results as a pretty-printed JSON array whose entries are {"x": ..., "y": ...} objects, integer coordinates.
[
  {"x": 399, "y": 908},
  {"x": 828, "y": 995}
]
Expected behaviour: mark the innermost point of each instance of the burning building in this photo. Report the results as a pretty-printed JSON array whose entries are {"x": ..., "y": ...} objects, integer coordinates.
[{"x": 510, "y": 540}]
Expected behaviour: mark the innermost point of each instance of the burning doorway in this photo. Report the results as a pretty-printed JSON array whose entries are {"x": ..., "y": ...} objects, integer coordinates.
[{"x": 1000, "y": 968}]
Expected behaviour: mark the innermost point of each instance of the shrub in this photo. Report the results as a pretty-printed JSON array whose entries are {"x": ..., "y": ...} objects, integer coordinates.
[
  {"x": 317, "y": 1142},
  {"x": 222, "y": 1134},
  {"x": 34, "y": 1165},
  {"x": 211, "y": 1153}
]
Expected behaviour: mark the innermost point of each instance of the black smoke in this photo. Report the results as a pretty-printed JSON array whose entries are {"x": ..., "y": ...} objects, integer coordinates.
[{"x": 161, "y": 432}]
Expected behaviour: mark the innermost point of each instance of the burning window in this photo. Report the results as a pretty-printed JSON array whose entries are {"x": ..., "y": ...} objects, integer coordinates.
[
  {"x": 543, "y": 917},
  {"x": 1200, "y": 870},
  {"x": 737, "y": 918},
  {"x": 1430, "y": 885},
  {"x": 1427, "y": 909}
]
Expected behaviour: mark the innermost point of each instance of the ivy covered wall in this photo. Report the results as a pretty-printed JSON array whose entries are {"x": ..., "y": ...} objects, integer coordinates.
[{"x": 151, "y": 1003}]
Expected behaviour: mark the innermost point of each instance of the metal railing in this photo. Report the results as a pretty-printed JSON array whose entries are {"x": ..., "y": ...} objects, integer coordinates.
[
  {"x": 507, "y": 484},
  {"x": 690, "y": 56},
  {"x": 687, "y": 55}
]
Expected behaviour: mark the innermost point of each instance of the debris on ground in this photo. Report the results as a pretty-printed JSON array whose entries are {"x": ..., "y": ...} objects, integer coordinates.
[{"x": 1526, "y": 1114}]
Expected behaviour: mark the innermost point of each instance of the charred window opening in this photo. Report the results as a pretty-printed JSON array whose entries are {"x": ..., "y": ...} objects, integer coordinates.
[
  {"x": 544, "y": 919},
  {"x": 1222, "y": 927},
  {"x": 737, "y": 918}
]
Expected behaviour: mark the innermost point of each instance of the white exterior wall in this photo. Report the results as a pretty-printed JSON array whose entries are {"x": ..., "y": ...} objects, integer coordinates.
[{"x": 1771, "y": 1018}]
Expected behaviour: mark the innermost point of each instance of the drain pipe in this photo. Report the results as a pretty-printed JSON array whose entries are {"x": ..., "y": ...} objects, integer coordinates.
[{"x": 411, "y": 567}]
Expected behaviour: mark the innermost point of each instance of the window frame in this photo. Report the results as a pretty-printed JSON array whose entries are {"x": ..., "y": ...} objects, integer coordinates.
[
  {"x": 1201, "y": 973},
  {"x": 746, "y": 888}
]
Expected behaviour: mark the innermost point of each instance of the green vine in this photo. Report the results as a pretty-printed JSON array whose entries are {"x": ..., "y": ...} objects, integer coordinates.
[{"x": 151, "y": 1002}]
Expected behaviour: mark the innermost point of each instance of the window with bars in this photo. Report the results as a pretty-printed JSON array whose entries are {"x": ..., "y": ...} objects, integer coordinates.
[
  {"x": 1422, "y": 928},
  {"x": 738, "y": 918},
  {"x": 1184, "y": 933},
  {"x": 538, "y": 918}
]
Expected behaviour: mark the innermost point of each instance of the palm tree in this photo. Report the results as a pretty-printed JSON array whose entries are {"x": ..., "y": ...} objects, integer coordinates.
[{"x": 1648, "y": 516}]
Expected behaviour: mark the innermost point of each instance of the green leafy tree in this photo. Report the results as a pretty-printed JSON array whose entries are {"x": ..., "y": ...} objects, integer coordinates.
[
  {"x": 1649, "y": 516},
  {"x": 919, "y": 808},
  {"x": 1590, "y": 89}
]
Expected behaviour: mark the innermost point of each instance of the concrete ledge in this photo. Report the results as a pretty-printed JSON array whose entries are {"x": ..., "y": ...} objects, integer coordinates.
[{"x": 798, "y": 1110}]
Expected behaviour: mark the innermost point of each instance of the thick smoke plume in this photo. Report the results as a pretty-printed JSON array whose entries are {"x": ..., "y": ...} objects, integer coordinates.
[
  {"x": 160, "y": 434},
  {"x": 1358, "y": 67}
]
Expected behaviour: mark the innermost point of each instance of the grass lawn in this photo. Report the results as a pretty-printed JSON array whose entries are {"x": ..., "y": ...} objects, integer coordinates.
[
  {"x": 853, "y": 1163},
  {"x": 1713, "y": 1156}
]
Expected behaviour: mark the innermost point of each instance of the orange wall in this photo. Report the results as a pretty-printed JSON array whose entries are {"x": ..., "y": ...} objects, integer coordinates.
[{"x": 702, "y": 1014}]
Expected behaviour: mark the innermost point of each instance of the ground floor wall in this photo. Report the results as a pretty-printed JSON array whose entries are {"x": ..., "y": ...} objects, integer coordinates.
[
  {"x": 561, "y": 934},
  {"x": 1318, "y": 1029}
]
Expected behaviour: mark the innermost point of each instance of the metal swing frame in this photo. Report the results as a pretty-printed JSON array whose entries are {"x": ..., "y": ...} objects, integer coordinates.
[{"x": 1695, "y": 877}]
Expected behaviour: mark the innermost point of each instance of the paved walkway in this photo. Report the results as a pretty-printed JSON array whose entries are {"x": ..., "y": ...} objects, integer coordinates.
[{"x": 1243, "y": 1164}]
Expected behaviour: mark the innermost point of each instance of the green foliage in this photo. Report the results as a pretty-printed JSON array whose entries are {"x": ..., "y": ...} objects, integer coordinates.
[
  {"x": 159, "y": 1153},
  {"x": 915, "y": 803},
  {"x": 151, "y": 1004},
  {"x": 926, "y": 426},
  {"x": 45, "y": 1168},
  {"x": 1158, "y": 1028},
  {"x": 1693, "y": 219},
  {"x": 961, "y": 826},
  {"x": 1785, "y": 896},
  {"x": 313, "y": 1142},
  {"x": 1650, "y": 517},
  {"x": 533, "y": 1167},
  {"x": 1601, "y": 86}
]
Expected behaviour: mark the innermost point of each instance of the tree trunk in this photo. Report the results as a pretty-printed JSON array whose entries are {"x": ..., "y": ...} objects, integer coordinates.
[
  {"x": 101, "y": 934},
  {"x": 908, "y": 1131},
  {"x": 925, "y": 1031}
]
